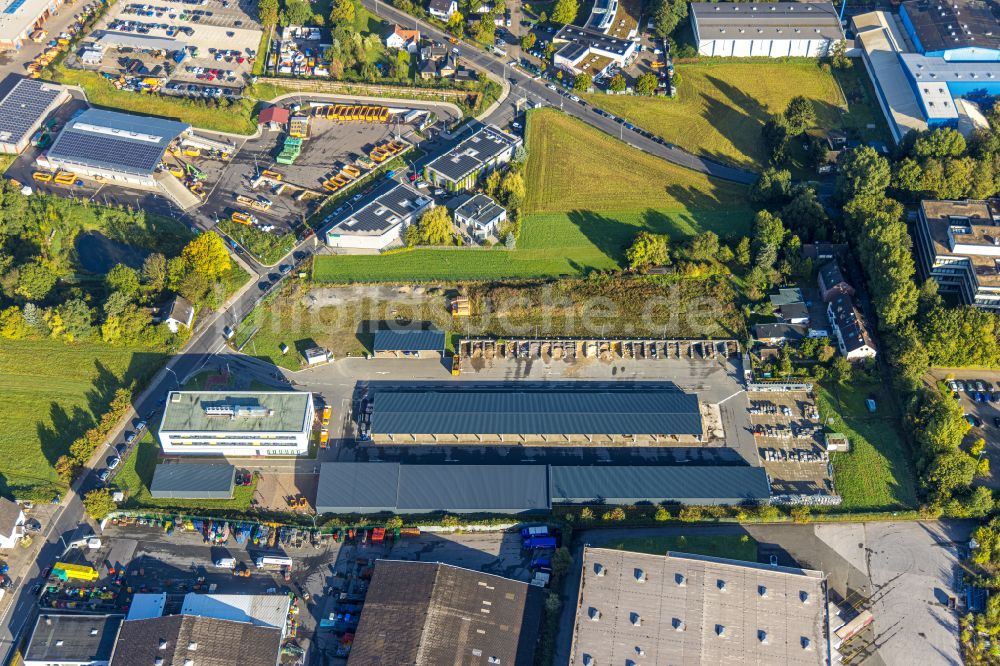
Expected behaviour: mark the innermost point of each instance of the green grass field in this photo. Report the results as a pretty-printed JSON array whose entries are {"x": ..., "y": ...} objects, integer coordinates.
[
  {"x": 588, "y": 195},
  {"x": 876, "y": 473},
  {"x": 137, "y": 473},
  {"x": 52, "y": 393},
  {"x": 734, "y": 547},
  {"x": 721, "y": 105},
  {"x": 238, "y": 118}
]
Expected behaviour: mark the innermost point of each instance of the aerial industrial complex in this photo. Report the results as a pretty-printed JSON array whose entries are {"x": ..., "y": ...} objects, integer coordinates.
[{"x": 765, "y": 29}]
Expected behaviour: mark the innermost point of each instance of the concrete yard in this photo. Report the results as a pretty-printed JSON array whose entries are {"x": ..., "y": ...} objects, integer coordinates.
[{"x": 789, "y": 442}]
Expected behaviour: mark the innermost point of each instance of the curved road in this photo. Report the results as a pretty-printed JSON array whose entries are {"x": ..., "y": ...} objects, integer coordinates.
[{"x": 533, "y": 89}]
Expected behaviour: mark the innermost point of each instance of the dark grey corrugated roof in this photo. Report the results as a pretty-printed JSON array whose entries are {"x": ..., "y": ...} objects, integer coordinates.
[
  {"x": 374, "y": 487},
  {"x": 584, "y": 409},
  {"x": 473, "y": 488},
  {"x": 193, "y": 480},
  {"x": 73, "y": 638},
  {"x": 627, "y": 485},
  {"x": 409, "y": 340},
  {"x": 357, "y": 487}
]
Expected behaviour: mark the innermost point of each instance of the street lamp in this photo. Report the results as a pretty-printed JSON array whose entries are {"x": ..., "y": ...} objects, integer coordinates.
[{"x": 176, "y": 379}]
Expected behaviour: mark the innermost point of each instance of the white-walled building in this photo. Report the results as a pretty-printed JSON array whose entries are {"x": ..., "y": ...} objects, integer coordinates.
[
  {"x": 480, "y": 216},
  {"x": 765, "y": 29},
  {"x": 237, "y": 423},
  {"x": 11, "y": 523},
  {"x": 381, "y": 222}
]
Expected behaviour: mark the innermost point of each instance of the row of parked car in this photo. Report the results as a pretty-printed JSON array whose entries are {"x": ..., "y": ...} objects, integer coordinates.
[{"x": 115, "y": 459}]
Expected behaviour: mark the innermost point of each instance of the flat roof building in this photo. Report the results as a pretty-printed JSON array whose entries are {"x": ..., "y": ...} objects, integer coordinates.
[
  {"x": 237, "y": 423},
  {"x": 433, "y": 613},
  {"x": 460, "y": 168},
  {"x": 689, "y": 609},
  {"x": 379, "y": 223},
  {"x": 504, "y": 412},
  {"x": 193, "y": 481},
  {"x": 19, "y": 18},
  {"x": 72, "y": 640},
  {"x": 958, "y": 246},
  {"x": 765, "y": 29},
  {"x": 579, "y": 484},
  {"x": 479, "y": 215},
  {"x": 409, "y": 343},
  {"x": 410, "y": 489},
  {"x": 115, "y": 146},
  {"x": 24, "y": 109},
  {"x": 586, "y": 50}
]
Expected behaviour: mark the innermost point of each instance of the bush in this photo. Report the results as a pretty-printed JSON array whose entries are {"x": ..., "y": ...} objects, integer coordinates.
[
  {"x": 690, "y": 514},
  {"x": 663, "y": 514}
]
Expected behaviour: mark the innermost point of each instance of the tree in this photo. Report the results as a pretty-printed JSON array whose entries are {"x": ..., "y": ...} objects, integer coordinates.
[
  {"x": 617, "y": 83},
  {"x": 207, "y": 256},
  {"x": 838, "y": 55},
  {"x": 565, "y": 11},
  {"x": 939, "y": 143},
  {"x": 124, "y": 279},
  {"x": 775, "y": 135},
  {"x": 435, "y": 226},
  {"x": 805, "y": 214},
  {"x": 863, "y": 173},
  {"x": 528, "y": 41},
  {"x": 647, "y": 250},
  {"x": 67, "y": 467},
  {"x": 98, "y": 503},
  {"x": 35, "y": 281},
  {"x": 268, "y": 12},
  {"x": 486, "y": 29},
  {"x": 768, "y": 235},
  {"x": 343, "y": 13},
  {"x": 799, "y": 115},
  {"x": 842, "y": 370},
  {"x": 12, "y": 324},
  {"x": 662, "y": 514},
  {"x": 667, "y": 14},
  {"x": 154, "y": 272},
  {"x": 512, "y": 189},
  {"x": 742, "y": 252},
  {"x": 456, "y": 24},
  {"x": 74, "y": 320},
  {"x": 297, "y": 12},
  {"x": 583, "y": 81},
  {"x": 772, "y": 187},
  {"x": 646, "y": 84},
  {"x": 704, "y": 247}
]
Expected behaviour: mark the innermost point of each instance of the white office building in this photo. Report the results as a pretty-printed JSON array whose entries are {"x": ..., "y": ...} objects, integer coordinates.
[{"x": 237, "y": 423}]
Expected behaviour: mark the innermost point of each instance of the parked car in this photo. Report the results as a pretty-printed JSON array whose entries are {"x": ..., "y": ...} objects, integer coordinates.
[
  {"x": 103, "y": 476},
  {"x": 973, "y": 420},
  {"x": 129, "y": 438},
  {"x": 113, "y": 462},
  {"x": 120, "y": 449}
]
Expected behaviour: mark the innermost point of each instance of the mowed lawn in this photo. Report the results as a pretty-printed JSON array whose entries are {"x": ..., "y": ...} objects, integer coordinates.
[
  {"x": 876, "y": 473},
  {"x": 588, "y": 195},
  {"x": 53, "y": 392},
  {"x": 722, "y": 104},
  {"x": 732, "y": 547}
]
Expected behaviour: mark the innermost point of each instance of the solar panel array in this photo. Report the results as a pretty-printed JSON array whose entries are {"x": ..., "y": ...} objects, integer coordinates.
[
  {"x": 110, "y": 146},
  {"x": 468, "y": 156},
  {"x": 24, "y": 107}
]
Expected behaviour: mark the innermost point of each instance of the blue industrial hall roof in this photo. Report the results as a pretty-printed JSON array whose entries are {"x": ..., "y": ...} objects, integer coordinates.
[
  {"x": 409, "y": 340},
  {"x": 583, "y": 408},
  {"x": 116, "y": 141},
  {"x": 628, "y": 485}
]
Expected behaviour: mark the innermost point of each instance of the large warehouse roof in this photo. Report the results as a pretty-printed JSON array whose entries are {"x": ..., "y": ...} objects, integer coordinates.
[
  {"x": 236, "y": 411},
  {"x": 377, "y": 487},
  {"x": 689, "y": 609},
  {"x": 359, "y": 487},
  {"x": 409, "y": 340},
  {"x": 193, "y": 481},
  {"x": 432, "y": 613},
  {"x": 73, "y": 638},
  {"x": 25, "y": 106},
  {"x": 766, "y": 20},
  {"x": 581, "y": 409},
  {"x": 942, "y": 26},
  {"x": 630, "y": 485},
  {"x": 18, "y": 16},
  {"x": 116, "y": 141}
]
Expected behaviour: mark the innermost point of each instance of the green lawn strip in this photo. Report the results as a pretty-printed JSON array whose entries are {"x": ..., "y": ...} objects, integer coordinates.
[
  {"x": 721, "y": 104},
  {"x": 732, "y": 547},
  {"x": 237, "y": 118},
  {"x": 268, "y": 248},
  {"x": 53, "y": 392},
  {"x": 876, "y": 473},
  {"x": 137, "y": 473}
]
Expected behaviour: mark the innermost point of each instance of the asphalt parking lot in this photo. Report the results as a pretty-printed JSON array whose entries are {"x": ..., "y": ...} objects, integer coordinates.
[{"x": 222, "y": 32}]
